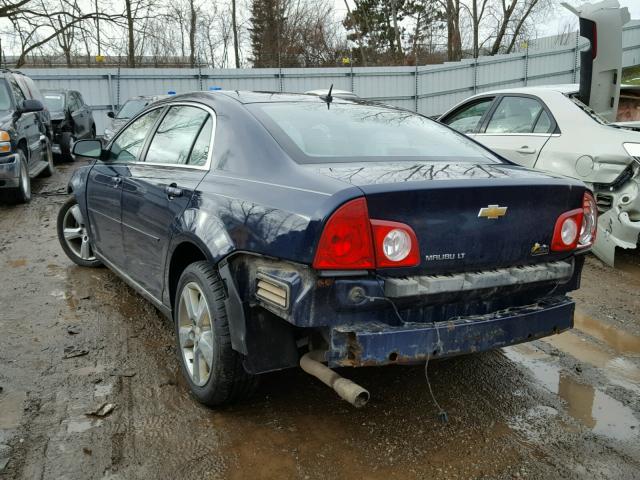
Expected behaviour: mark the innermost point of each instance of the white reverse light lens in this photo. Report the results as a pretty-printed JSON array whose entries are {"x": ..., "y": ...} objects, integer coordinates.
[
  {"x": 396, "y": 245},
  {"x": 569, "y": 231}
]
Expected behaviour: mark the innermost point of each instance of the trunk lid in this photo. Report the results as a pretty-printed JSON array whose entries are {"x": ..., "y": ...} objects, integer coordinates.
[{"x": 451, "y": 209}]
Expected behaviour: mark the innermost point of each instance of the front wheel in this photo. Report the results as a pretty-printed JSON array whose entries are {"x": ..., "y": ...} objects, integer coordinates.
[
  {"x": 22, "y": 193},
  {"x": 73, "y": 235},
  {"x": 212, "y": 368}
]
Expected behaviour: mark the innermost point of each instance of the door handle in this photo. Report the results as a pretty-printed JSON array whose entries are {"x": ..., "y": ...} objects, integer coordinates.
[
  {"x": 116, "y": 181},
  {"x": 173, "y": 191},
  {"x": 526, "y": 149}
]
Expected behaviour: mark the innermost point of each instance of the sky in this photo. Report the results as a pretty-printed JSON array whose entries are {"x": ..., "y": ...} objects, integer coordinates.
[{"x": 553, "y": 25}]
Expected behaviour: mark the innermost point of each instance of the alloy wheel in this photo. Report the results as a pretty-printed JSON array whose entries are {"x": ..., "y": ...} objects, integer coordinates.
[
  {"x": 195, "y": 329},
  {"x": 76, "y": 235}
]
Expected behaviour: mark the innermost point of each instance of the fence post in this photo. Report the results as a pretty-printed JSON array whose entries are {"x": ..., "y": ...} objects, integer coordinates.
[
  {"x": 110, "y": 91},
  {"x": 353, "y": 81},
  {"x": 475, "y": 75},
  {"x": 118, "y": 88},
  {"x": 526, "y": 65},
  {"x": 416, "y": 85},
  {"x": 575, "y": 57},
  {"x": 200, "y": 73}
]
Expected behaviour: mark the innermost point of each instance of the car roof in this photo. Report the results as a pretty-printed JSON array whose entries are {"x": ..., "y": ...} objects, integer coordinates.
[
  {"x": 271, "y": 97},
  {"x": 565, "y": 89}
]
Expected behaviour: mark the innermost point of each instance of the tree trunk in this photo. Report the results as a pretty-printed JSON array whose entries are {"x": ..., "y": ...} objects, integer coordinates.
[
  {"x": 192, "y": 34},
  {"x": 234, "y": 27},
  {"x": 396, "y": 31},
  {"x": 521, "y": 21},
  {"x": 131, "y": 47},
  {"x": 454, "y": 42},
  {"x": 507, "y": 12}
]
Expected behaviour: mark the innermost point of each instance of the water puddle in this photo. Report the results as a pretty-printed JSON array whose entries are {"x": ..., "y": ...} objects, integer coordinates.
[
  {"x": 20, "y": 262},
  {"x": 620, "y": 341},
  {"x": 11, "y": 409},
  {"x": 589, "y": 352},
  {"x": 593, "y": 408}
]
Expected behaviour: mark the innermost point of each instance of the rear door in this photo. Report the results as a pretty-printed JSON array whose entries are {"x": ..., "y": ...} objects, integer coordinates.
[
  {"x": 78, "y": 115},
  {"x": 104, "y": 187},
  {"x": 517, "y": 128},
  {"x": 158, "y": 190}
]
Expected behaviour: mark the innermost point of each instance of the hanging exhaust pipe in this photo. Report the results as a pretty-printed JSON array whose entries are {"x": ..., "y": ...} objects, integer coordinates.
[{"x": 349, "y": 391}]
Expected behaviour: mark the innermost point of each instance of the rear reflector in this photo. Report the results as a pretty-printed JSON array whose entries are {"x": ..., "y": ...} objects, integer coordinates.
[{"x": 272, "y": 292}]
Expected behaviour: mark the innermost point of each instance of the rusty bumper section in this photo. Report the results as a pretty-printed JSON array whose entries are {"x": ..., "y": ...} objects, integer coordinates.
[{"x": 377, "y": 343}]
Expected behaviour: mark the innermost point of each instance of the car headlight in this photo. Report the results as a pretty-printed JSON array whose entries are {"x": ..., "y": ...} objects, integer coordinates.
[
  {"x": 633, "y": 149},
  {"x": 5, "y": 142}
]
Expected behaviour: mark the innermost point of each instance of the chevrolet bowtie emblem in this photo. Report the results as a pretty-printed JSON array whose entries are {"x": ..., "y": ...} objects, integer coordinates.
[{"x": 492, "y": 212}]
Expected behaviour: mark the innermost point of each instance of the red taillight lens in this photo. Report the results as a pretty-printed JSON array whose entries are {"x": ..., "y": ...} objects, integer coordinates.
[
  {"x": 346, "y": 243},
  {"x": 589, "y": 221},
  {"x": 567, "y": 231},
  {"x": 396, "y": 244}
]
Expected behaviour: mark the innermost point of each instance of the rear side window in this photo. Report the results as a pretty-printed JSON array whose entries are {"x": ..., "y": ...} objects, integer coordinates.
[
  {"x": 468, "y": 117},
  {"x": 515, "y": 115},
  {"x": 176, "y": 135},
  {"x": 17, "y": 92},
  {"x": 200, "y": 150},
  {"x": 349, "y": 132},
  {"x": 128, "y": 145}
]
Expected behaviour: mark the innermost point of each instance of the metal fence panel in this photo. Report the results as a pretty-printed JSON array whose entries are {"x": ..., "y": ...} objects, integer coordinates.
[{"x": 430, "y": 89}]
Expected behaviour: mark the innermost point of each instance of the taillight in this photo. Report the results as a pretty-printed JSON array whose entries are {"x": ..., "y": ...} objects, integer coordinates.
[
  {"x": 395, "y": 243},
  {"x": 351, "y": 241},
  {"x": 567, "y": 230},
  {"x": 346, "y": 241},
  {"x": 589, "y": 221}
]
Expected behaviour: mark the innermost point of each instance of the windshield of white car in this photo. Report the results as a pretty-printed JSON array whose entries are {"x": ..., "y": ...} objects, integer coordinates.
[
  {"x": 131, "y": 108},
  {"x": 54, "y": 101},
  {"x": 313, "y": 132}
]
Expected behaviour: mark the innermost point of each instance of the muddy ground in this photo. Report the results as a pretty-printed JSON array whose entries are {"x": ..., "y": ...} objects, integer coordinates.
[{"x": 565, "y": 407}]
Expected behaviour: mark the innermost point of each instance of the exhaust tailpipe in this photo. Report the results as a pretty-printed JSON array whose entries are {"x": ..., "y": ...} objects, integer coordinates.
[{"x": 349, "y": 391}]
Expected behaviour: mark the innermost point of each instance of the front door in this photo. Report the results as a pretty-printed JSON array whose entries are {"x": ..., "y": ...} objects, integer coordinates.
[
  {"x": 104, "y": 188},
  {"x": 157, "y": 191}
]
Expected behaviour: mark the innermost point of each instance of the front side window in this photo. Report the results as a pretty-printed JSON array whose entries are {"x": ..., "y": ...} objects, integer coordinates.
[
  {"x": 176, "y": 134},
  {"x": 515, "y": 115},
  {"x": 467, "y": 118},
  {"x": 346, "y": 132},
  {"x": 127, "y": 147},
  {"x": 17, "y": 92}
]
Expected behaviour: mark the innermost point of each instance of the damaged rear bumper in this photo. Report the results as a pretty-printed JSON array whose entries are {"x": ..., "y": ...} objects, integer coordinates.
[{"x": 366, "y": 344}]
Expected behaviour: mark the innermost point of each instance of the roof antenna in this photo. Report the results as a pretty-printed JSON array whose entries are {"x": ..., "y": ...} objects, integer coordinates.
[{"x": 328, "y": 98}]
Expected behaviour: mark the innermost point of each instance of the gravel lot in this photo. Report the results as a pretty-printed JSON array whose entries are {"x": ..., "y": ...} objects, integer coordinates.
[{"x": 74, "y": 339}]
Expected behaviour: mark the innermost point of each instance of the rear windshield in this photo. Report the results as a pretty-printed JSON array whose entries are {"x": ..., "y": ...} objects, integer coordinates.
[
  {"x": 5, "y": 99},
  {"x": 346, "y": 132},
  {"x": 54, "y": 101},
  {"x": 131, "y": 108}
]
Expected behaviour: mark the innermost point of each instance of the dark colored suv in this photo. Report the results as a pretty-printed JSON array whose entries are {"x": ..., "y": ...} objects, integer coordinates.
[
  {"x": 71, "y": 119},
  {"x": 25, "y": 132}
]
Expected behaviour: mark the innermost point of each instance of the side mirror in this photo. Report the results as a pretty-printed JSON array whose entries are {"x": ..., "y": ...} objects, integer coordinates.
[
  {"x": 27, "y": 106},
  {"x": 88, "y": 148},
  {"x": 111, "y": 115}
]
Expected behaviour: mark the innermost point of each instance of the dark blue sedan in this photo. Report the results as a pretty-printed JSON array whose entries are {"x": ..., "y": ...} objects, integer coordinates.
[{"x": 278, "y": 230}]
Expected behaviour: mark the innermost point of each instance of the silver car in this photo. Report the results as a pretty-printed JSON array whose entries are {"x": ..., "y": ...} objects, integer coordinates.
[
  {"x": 128, "y": 110},
  {"x": 548, "y": 128}
]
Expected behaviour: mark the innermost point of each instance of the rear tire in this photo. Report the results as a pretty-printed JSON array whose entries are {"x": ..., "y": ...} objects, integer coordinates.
[
  {"x": 21, "y": 194},
  {"x": 66, "y": 144},
  {"x": 47, "y": 172},
  {"x": 211, "y": 367},
  {"x": 74, "y": 236}
]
